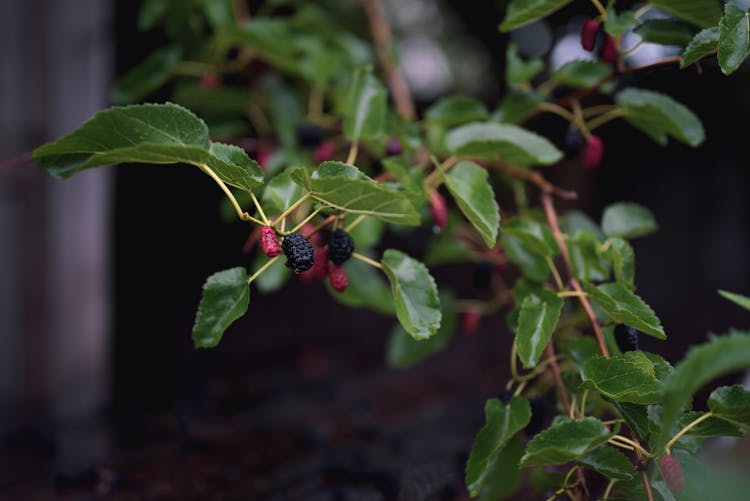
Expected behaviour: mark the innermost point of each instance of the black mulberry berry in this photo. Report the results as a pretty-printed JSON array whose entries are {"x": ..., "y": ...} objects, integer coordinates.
[
  {"x": 573, "y": 141},
  {"x": 626, "y": 338},
  {"x": 309, "y": 135},
  {"x": 506, "y": 396},
  {"x": 299, "y": 253},
  {"x": 483, "y": 274},
  {"x": 340, "y": 246}
]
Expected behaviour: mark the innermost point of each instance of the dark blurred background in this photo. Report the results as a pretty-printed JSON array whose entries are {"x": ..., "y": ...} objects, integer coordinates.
[{"x": 101, "y": 391}]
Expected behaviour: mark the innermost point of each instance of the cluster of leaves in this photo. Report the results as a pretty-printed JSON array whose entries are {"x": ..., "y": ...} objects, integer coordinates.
[{"x": 265, "y": 77}]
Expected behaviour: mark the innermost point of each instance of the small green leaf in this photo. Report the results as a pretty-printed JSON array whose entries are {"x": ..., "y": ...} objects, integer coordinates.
[
  {"x": 533, "y": 265},
  {"x": 636, "y": 417},
  {"x": 468, "y": 184},
  {"x": 367, "y": 289},
  {"x": 623, "y": 261},
  {"x": 515, "y": 107},
  {"x": 517, "y": 71},
  {"x": 666, "y": 31},
  {"x": 147, "y": 133},
  {"x": 566, "y": 440},
  {"x": 281, "y": 192},
  {"x": 731, "y": 403},
  {"x": 739, "y": 299},
  {"x": 274, "y": 277},
  {"x": 703, "y": 13},
  {"x": 414, "y": 292},
  {"x": 618, "y": 24},
  {"x": 628, "y": 220},
  {"x": 721, "y": 355},
  {"x": 622, "y": 305},
  {"x": 504, "y": 478},
  {"x": 272, "y": 39},
  {"x": 609, "y": 462},
  {"x": 537, "y": 320},
  {"x": 225, "y": 298},
  {"x": 365, "y": 118},
  {"x": 575, "y": 221},
  {"x": 404, "y": 351},
  {"x": 536, "y": 236},
  {"x": 702, "y": 44},
  {"x": 658, "y": 115},
  {"x": 456, "y": 110},
  {"x": 625, "y": 378},
  {"x": 734, "y": 38},
  {"x": 508, "y": 142},
  {"x": 147, "y": 77},
  {"x": 346, "y": 188},
  {"x": 586, "y": 257},
  {"x": 581, "y": 73},
  {"x": 711, "y": 427},
  {"x": 502, "y": 422},
  {"x": 522, "y": 12}
]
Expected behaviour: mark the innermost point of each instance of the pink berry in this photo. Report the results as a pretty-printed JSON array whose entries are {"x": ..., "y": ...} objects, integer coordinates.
[
  {"x": 324, "y": 151},
  {"x": 470, "y": 321},
  {"x": 393, "y": 147},
  {"x": 439, "y": 210},
  {"x": 593, "y": 153},
  {"x": 609, "y": 51},
  {"x": 337, "y": 276},
  {"x": 269, "y": 244},
  {"x": 321, "y": 267},
  {"x": 671, "y": 472},
  {"x": 588, "y": 34},
  {"x": 263, "y": 157},
  {"x": 211, "y": 81}
]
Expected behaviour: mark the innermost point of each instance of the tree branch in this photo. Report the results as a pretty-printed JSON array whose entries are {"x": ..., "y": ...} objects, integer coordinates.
[{"x": 15, "y": 161}]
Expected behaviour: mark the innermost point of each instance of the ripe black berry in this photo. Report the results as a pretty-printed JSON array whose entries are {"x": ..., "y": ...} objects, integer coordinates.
[
  {"x": 340, "y": 246},
  {"x": 483, "y": 274},
  {"x": 626, "y": 338},
  {"x": 309, "y": 135},
  {"x": 299, "y": 253},
  {"x": 573, "y": 141},
  {"x": 506, "y": 396}
]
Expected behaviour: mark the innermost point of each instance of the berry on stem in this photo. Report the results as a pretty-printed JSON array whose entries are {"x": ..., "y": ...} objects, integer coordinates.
[
  {"x": 593, "y": 153},
  {"x": 588, "y": 34},
  {"x": 320, "y": 267},
  {"x": 671, "y": 472},
  {"x": 269, "y": 244},
  {"x": 337, "y": 276},
  {"x": 393, "y": 147},
  {"x": 211, "y": 80},
  {"x": 506, "y": 396},
  {"x": 626, "y": 338},
  {"x": 324, "y": 151},
  {"x": 572, "y": 142},
  {"x": 299, "y": 253},
  {"x": 340, "y": 246},
  {"x": 609, "y": 51},
  {"x": 439, "y": 210},
  {"x": 470, "y": 321},
  {"x": 309, "y": 135}
]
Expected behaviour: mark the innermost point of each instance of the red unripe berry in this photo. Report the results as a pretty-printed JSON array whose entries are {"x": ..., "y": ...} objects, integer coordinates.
[
  {"x": 439, "y": 210},
  {"x": 316, "y": 239},
  {"x": 324, "y": 151},
  {"x": 269, "y": 244},
  {"x": 671, "y": 472},
  {"x": 470, "y": 321},
  {"x": 593, "y": 153},
  {"x": 609, "y": 51},
  {"x": 263, "y": 157},
  {"x": 321, "y": 266},
  {"x": 588, "y": 34},
  {"x": 393, "y": 147},
  {"x": 211, "y": 81},
  {"x": 338, "y": 278}
]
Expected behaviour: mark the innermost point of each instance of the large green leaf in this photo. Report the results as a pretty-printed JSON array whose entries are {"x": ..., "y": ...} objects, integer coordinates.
[
  {"x": 281, "y": 192},
  {"x": 731, "y": 403},
  {"x": 721, "y": 355},
  {"x": 225, "y": 298},
  {"x": 272, "y": 39},
  {"x": 738, "y": 299},
  {"x": 658, "y": 116},
  {"x": 505, "y": 477},
  {"x": 626, "y": 378},
  {"x": 581, "y": 73},
  {"x": 566, "y": 440},
  {"x": 666, "y": 31},
  {"x": 609, "y": 462},
  {"x": 537, "y": 319},
  {"x": 365, "y": 118},
  {"x": 345, "y": 188},
  {"x": 522, "y": 12},
  {"x": 628, "y": 220},
  {"x": 147, "y": 133},
  {"x": 517, "y": 71},
  {"x": 702, "y": 44},
  {"x": 468, "y": 184},
  {"x": 704, "y": 13},
  {"x": 508, "y": 142},
  {"x": 586, "y": 257},
  {"x": 404, "y": 351},
  {"x": 502, "y": 422},
  {"x": 367, "y": 289},
  {"x": 414, "y": 292},
  {"x": 536, "y": 236},
  {"x": 533, "y": 265},
  {"x": 734, "y": 38},
  {"x": 147, "y": 77},
  {"x": 456, "y": 110},
  {"x": 622, "y": 305},
  {"x": 623, "y": 261}
]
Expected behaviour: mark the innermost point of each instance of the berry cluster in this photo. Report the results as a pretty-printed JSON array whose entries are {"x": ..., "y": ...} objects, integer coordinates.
[
  {"x": 594, "y": 39},
  {"x": 328, "y": 261},
  {"x": 299, "y": 253}
]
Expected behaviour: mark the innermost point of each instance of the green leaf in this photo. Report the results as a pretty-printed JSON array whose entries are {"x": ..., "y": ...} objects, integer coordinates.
[
  {"x": 274, "y": 277},
  {"x": 609, "y": 462},
  {"x": 502, "y": 422},
  {"x": 414, "y": 292},
  {"x": 721, "y": 355},
  {"x": 658, "y": 115},
  {"x": 365, "y": 118},
  {"x": 522, "y": 12},
  {"x": 405, "y": 351},
  {"x": 147, "y": 77},
  {"x": 623, "y": 261},
  {"x": 504, "y": 478},
  {"x": 515, "y": 107},
  {"x": 517, "y": 71},
  {"x": 147, "y": 133},
  {"x": 281, "y": 192},
  {"x": 367, "y": 289},
  {"x": 628, "y": 220},
  {"x": 618, "y": 24},
  {"x": 537, "y": 237},
  {"x": 574, "y": 221},
  {"x": 731, "y": 403},
  {"x": 225, "y": 298},
  {"x": 272, "y": 39},
  {"x": 622, "y": 305},
  {"x": 566, "y": 440},
  {"x": 666, "y": 31},
  {"x": 734, "y": 38},
  {"x": 456, "y": 110},
  {"x": 533, "y": 265},
  {"x": 509, "y": 142},
  {"x": 586, "y": 257},
  {"x": 711, "y": 427},
  {"x": 739, "y": 299},
  {"x": 581, "y": 73},
  {"x": 468, "y": 184},
  {"x": 335, "y": 185},
  {"x": 704, "y": 13},
  {"x": 543, "y": 482},
  {"x": 636, "y": 417},
  {"x": 625, "y": 378},
  {"x": 702, "y": 44},
  {"x": 537, "y": 320},
  {"x": 225, "y": 101},
  {"x": 367, "y": 233}
]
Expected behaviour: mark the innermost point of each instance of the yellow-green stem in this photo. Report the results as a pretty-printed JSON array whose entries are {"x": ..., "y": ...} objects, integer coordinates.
[
  {"x": 686, "y": 429},
  {"x": 608, "y": 490},
  {"x": 367, "y": 260},
  {"x": 307, "y": 219},
  {"x": 555, "y": 273},
  {"x": 607, "y": 117},
  {"x": 571, "y": 294},
  {"x": 353, "y": 151},
  {"x": 244, "y": 216},
  {"x": 262, "y": 269},
  {"x": 291, "y": 209},
  {"x": 600, "y": 8},
  {"x": 258, "y": 207},
  {"x": 633, "y": 444},
  {"x": 355, "y": 223}
]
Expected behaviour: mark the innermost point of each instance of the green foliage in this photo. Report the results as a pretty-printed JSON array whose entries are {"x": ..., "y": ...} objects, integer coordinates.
[
  {"x": 566, "y": 440},
  {"x": 225, "y": 299},
  {"x": 467, "y": 182},
  {"x": 734, "y": 38},
  {"x": 537, "y": 320},
  {"x": 703, "y": 13},
  {"x": 739, "y": 299},
  {"x": 702, "y": 44},
  {"x": 628, "y": 220},
  {"x": 522, "y": 12}
]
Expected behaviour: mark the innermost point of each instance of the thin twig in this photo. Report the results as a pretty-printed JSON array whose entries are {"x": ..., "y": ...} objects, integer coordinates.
[
  {"x": 17, "y": 160},
  {"x": 552, "y": 361},
  {"x": 534, "y": 178},
  {"x": 367, "y": 260},
  {"x": 381, "y": 36}
]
